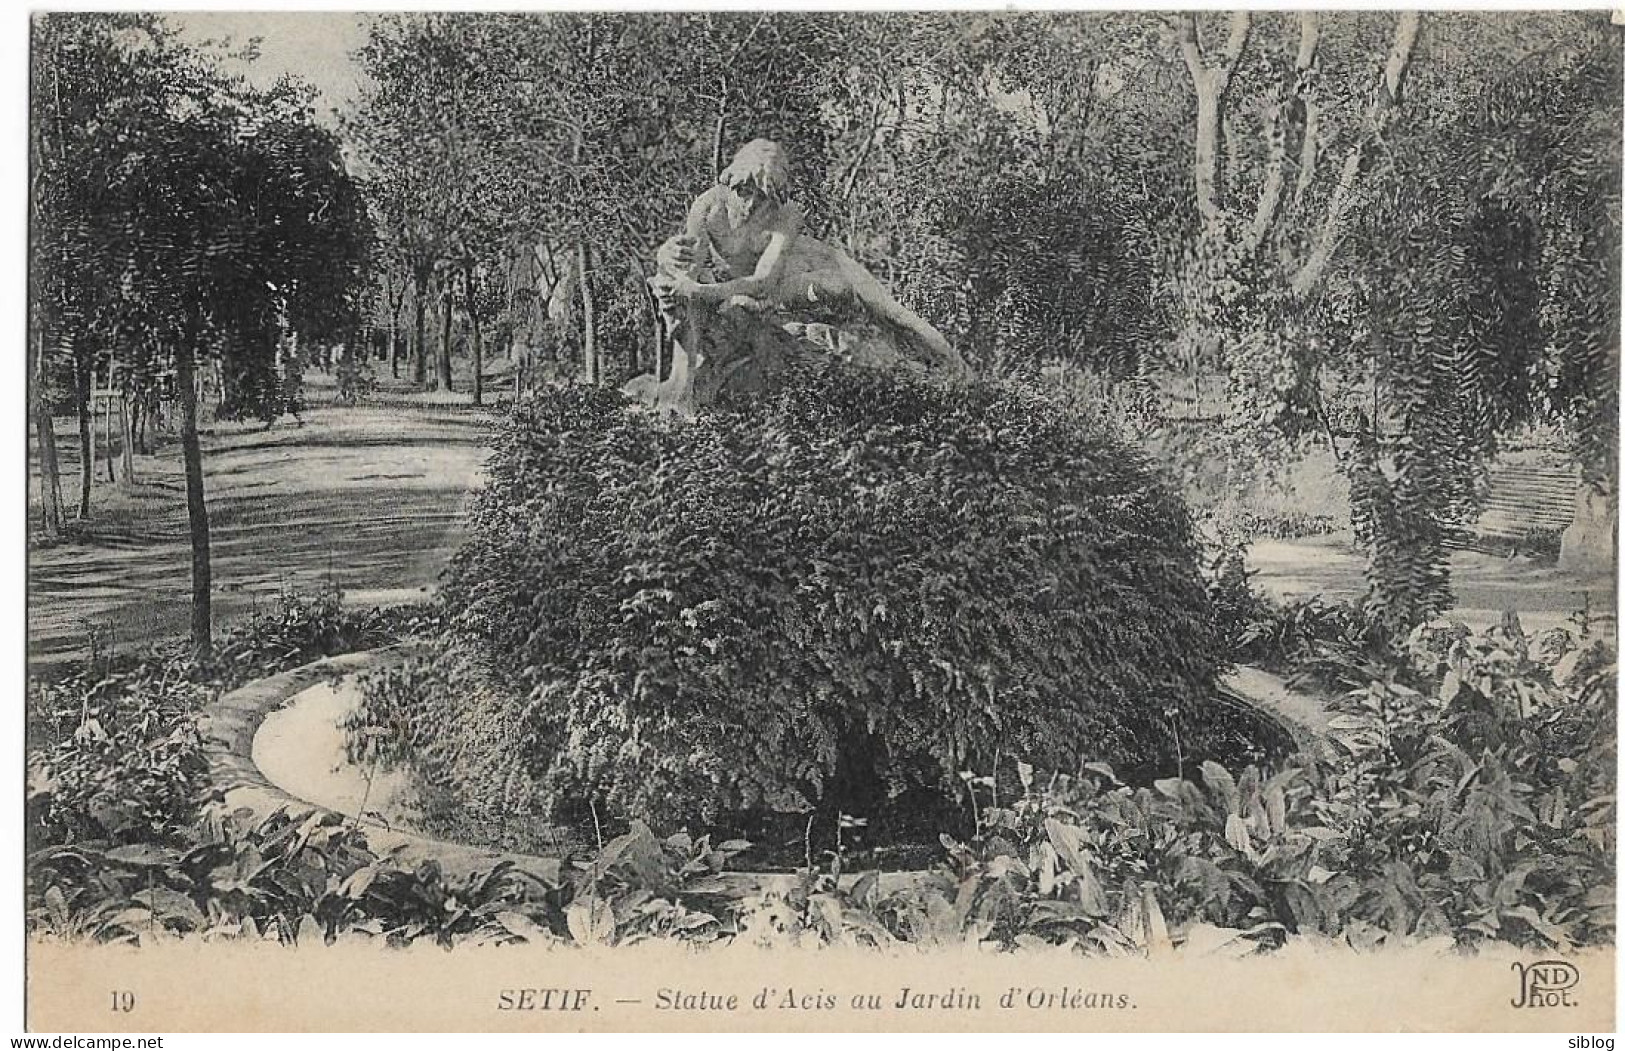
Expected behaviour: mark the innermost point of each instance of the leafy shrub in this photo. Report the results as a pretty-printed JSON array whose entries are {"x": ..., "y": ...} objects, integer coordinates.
[
  {"x": 311, "y": 878},
  {"x": 1273, "y": 524},
  {"x": 293, "y": 878},
  {"x": 638, "y": 887},
  {"x": 1472, "y": 802},
  {"x": 1478, "y": 809},
  {"x": 1239, "y": 610},
  {"x": 862, "y": 585},
  {"x": 1307, "y": 636},
  {"x": 438, "y": 718}
]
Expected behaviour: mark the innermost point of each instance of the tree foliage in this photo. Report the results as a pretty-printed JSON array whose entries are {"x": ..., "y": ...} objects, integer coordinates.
[
  {"x": 168, "y": 196},
  {"x": 1151, "y": 199}
]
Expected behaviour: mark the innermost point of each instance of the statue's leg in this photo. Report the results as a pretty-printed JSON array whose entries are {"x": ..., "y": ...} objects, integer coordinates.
[
  {"x": 684, "y": 326},
  {"x": 874, "y": 295}
]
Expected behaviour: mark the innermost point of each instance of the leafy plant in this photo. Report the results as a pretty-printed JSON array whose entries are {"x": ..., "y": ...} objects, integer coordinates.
[
  {"x": 1477, "y": 809},
  {"x": 638, "y": 887},
  {"x": 114, "y": 752},
  {"x": 296, "y": 878},
  {"x": 862, "y": 585}
]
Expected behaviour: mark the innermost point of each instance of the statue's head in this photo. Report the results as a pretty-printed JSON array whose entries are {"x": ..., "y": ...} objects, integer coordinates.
[{"x": 760, "y": 168}]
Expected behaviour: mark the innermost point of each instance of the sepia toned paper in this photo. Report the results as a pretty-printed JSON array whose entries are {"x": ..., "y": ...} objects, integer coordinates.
[{"x": 233, "y": 989}]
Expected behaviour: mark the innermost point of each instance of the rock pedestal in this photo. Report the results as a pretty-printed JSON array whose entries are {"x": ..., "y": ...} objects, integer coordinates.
[{"x": 1590, "y": 542}]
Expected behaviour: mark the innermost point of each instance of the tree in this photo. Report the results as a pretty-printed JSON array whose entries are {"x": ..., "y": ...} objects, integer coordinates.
[
  {"x": 222, "y": 219},
  {"x": 578, "y": 133},
  {"x": 90, "y": 84},
  {"x": 1033, "y": 180},
  {"x": 1491, "y": 304},
  {"x": 1373, "y": 283},
  {"x": 409, "y": 151}
]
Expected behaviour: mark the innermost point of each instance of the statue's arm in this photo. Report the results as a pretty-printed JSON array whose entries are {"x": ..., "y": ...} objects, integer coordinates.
[
  {"x": 689, "y": 252},
  {"x": 697, "y": 230},
  {"x": 760, "y": 282}
]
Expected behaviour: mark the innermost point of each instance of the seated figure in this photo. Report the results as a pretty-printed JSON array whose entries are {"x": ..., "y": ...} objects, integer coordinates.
[{"x": 743, "y": 252}]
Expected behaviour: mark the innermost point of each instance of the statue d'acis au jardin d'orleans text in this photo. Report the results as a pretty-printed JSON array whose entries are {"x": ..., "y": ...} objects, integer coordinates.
[{"x": 745, "y": 294}]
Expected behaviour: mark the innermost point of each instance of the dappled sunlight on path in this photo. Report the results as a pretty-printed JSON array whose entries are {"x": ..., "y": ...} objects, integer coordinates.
[
  {"x": 362, "y": 499},
  {"x": 1485, "y": 585}
]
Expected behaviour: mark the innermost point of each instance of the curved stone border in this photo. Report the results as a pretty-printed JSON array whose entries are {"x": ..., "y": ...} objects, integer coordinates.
[
  {"x": 1304, "y": 717},
  {"x": 228, "y": 727}
]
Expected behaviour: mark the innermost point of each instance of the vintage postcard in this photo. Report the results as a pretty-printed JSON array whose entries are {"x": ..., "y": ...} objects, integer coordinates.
[{"x": 1098, "y": 521}]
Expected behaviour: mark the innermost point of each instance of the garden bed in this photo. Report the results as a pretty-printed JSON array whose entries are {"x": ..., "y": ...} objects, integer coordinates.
[
  {"x": 1311, "y": 848},
  {"x": 279, "y": 743}
]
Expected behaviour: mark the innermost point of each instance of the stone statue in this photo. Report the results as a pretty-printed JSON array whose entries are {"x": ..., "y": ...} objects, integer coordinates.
[{"x": 746, "y": 294}]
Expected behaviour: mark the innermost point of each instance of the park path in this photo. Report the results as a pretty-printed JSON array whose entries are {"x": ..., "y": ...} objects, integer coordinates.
[
  {"x": 364, "y": 499},
  {"x": 1484, "y": 585}
]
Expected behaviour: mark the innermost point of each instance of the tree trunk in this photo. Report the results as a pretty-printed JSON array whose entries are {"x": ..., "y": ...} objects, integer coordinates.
[
  {"x": 1207, "y": 155},
  {"x": 657, "y": 348},
  {"x": 224, "y": 385},
  {"x": 1303, "y": 89},
  {"x": 589, "y": 314},
  {"x": 442, "y": 365},
  {"x": 138, "y": 424},
  {"x": 45, "y": 435},
  {"x": 717, "y": 130},
  {"x": 478, "y": 346},
  {"x": 651, "y": 306},
  {"x": 420, "y": 355},
  {"x": 1210, "y": 85},
  {"x": 107, "y": 433},
  {"x": 1291, "y": 114},
  {"x": 126, "y": 426},
  {"x": 849, "y": 182},
  {"x": 1377, "y": 119},
  {"x": 393, "y": 349},
  {"x": 87, "y": 437},
  {"x": 197, "y": 512}
]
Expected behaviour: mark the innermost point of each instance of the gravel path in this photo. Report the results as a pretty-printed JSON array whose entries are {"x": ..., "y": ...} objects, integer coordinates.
[
  {"x": 366, "y": 499},
  {"x": 1485, "y": 585}
]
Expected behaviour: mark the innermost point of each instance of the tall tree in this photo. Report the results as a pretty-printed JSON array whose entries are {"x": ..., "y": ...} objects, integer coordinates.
[
  {"x": 225, "y": 219},
  {"x": 89, "y": 81},
  {"x": 1374, "y": 279}
]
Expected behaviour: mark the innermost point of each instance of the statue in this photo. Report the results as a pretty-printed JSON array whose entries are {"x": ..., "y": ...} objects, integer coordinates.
[{"x": 739, "y": 286}]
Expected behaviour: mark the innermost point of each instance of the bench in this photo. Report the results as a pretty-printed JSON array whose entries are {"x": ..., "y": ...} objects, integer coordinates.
[{"x": 1529, "y": 506}]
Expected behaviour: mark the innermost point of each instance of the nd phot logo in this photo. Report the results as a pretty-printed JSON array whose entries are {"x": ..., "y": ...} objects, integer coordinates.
[{"x": 1546, "y": 983}]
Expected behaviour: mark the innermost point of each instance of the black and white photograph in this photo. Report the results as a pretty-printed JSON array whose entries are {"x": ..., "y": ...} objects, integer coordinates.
[{"x": 1079, "y": 520}]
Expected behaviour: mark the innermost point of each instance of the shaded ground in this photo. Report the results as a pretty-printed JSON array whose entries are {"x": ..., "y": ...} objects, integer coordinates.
[
  {"x": 1484, "y": 585},
  {"x": 365, "y": 499}
]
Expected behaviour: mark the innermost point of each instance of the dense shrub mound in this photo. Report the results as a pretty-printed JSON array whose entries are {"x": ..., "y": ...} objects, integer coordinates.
[{"x": 862, "y": 585}]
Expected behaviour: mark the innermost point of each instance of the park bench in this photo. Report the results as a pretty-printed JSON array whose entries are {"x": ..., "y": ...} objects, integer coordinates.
[{"x": 1529, "y": 506}]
